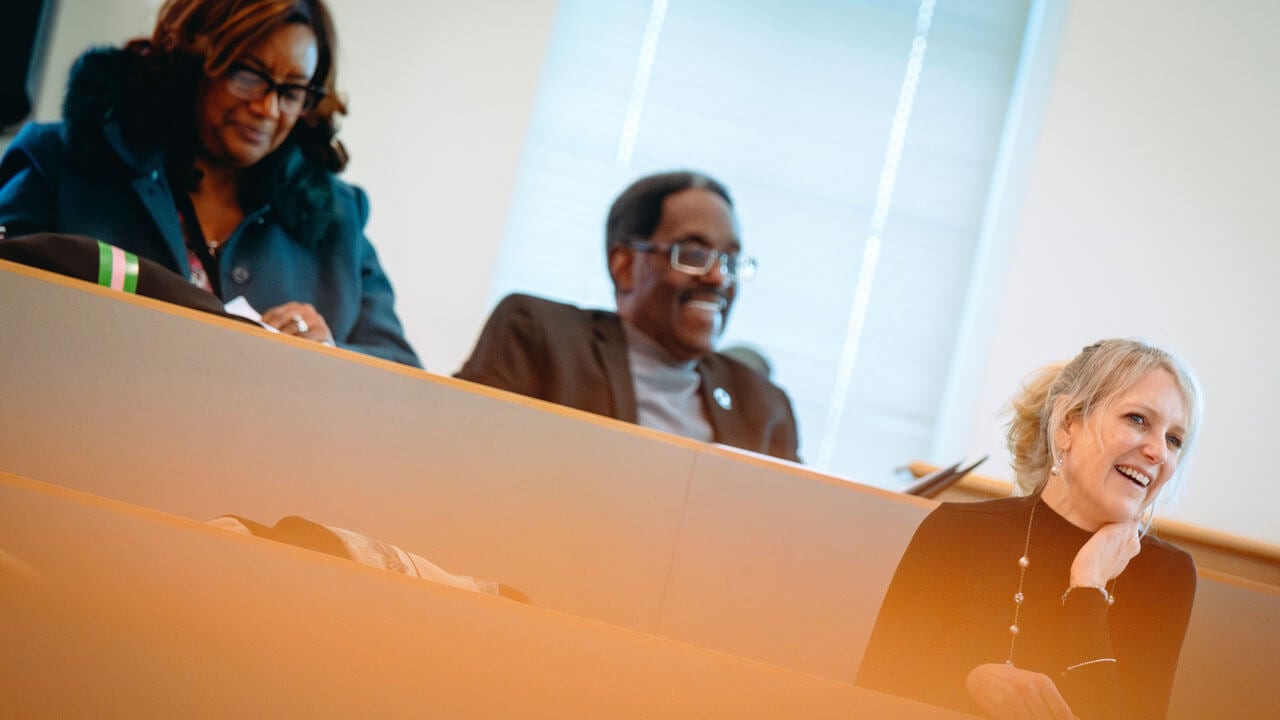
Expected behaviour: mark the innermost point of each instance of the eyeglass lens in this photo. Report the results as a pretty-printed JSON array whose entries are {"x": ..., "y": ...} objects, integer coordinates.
[
  {"x": 249, "y": 84},
  {"x": 691, "y": 256}
]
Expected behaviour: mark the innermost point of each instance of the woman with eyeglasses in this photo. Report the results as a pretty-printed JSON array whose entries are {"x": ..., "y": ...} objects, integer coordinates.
[{"x": 211, "y": 148}]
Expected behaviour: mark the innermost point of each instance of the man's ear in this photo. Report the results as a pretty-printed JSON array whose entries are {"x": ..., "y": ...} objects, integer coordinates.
[{"x": 622, "y": 268}]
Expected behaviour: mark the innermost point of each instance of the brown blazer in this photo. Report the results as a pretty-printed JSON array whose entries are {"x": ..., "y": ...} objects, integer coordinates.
[{"x": 578, "y": 358}]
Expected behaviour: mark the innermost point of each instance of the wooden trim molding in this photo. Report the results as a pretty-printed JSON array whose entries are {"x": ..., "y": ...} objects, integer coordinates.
[{"x": 1213, "y": 549}]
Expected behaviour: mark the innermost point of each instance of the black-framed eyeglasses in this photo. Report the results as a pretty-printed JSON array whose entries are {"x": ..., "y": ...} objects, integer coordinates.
[
  {"x": 693, "y": 257},
  {"x": 251, "y": 84}
]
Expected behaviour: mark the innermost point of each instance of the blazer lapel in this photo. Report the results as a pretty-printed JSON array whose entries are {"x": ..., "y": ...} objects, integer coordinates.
[
  {"x": 721, "y": 405},
  {"x": 153, "y": 190},
  {"x": 611, "y": 351}
]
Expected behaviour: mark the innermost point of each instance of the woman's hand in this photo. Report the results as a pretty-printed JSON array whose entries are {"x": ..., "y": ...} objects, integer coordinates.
[
  {"x": 1005, "y": 692},
  {"x": 300, "y": 319},
  {"x": 1105, "y": 555}
]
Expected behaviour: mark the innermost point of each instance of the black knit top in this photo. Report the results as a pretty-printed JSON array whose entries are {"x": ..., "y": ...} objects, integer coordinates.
[{"x": 951, "y": 602}]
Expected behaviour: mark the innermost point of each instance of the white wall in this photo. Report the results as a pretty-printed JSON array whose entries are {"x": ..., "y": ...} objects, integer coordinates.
[
  {"x": 441, "y": 94},
  {"x": 77, "y": 25},
  {"x": 1150, "y": 210},
  {"x": 1147, "y": 186}
]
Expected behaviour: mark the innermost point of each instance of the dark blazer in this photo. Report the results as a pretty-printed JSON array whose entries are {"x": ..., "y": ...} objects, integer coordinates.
[
  {"x": 132, "y": 206},
  {"x": 85, "y": 176},
  {"x": 578, "y": 358}
]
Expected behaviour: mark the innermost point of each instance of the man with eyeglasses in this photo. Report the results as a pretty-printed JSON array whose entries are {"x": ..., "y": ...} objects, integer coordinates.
[{"x": 676, "y": 261}]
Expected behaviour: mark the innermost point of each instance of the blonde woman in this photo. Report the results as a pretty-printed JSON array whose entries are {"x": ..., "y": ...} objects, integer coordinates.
[{"x": 1055, "y": 604}]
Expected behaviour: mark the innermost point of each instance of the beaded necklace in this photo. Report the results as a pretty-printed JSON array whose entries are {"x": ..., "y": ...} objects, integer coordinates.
[{"x": 1024, "y": 561}]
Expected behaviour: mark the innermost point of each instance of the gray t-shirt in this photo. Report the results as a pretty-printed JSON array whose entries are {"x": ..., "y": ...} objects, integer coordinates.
[{"x": 667, "y": 396}]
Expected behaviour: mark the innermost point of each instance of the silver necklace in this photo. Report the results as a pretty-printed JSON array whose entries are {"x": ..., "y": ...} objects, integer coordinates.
[{"x": 1024, "y": 562}]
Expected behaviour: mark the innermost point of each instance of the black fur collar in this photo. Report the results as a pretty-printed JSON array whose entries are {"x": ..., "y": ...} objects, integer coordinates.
[{"x": 153, "y": 103}]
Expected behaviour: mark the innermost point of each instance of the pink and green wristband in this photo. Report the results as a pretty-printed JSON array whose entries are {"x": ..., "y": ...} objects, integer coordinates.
[{"x": 117, "y": 269}]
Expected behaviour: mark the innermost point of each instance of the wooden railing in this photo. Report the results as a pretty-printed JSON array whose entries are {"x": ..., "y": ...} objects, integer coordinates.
[
  {"x": 1214, "y": 550},
  {"x": 669, "y": 541}
]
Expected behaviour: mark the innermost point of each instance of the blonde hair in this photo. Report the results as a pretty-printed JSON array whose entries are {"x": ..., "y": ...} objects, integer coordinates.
[{"x": 1077, "y": 389}]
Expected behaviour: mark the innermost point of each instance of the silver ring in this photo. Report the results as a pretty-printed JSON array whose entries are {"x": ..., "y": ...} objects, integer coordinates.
[{"x": 301, "y": 324}]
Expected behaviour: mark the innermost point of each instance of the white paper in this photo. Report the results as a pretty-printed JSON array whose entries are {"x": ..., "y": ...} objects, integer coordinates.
[{"x": 241, "y": 307}]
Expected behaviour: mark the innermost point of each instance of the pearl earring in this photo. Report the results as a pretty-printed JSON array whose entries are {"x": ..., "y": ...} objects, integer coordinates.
[{"x": 1057, "y": 467}]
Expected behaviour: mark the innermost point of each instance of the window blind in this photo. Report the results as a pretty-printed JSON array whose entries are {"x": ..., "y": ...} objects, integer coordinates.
[{"x": 857, "y": 139}]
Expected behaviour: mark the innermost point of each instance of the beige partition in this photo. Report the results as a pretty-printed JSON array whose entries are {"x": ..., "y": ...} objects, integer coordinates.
[
  {"x": 1231, "y": 656},
  {"x": 783, "y": 564},
  {"x": 197, "y": 416},
  {"x": 112, "y": 611}
]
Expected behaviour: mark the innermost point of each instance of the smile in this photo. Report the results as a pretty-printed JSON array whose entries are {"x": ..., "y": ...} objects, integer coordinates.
[
  {"x": 712, "y": 305},
  {"x": 250, "y": 134},
  {"x": 1137, "y": 476},
  {"x": 704, "y": 300}
]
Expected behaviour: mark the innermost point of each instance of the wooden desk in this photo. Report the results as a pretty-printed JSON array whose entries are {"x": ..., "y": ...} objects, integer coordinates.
[
  {"x": 114, "y": 611},
  {"x": 195, "y": 416}
]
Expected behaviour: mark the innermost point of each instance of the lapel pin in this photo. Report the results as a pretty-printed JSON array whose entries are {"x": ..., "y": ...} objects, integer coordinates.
[{"x": 722, "y": 397}]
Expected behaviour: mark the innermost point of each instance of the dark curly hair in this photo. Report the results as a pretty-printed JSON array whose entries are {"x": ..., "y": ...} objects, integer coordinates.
[
  {"x": 151, "y": 89},
  {"x": 212, "y": 34}
]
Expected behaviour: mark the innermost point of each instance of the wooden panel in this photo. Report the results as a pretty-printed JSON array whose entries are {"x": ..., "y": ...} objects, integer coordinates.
[
  {"x": 1229, "y": 662},
  {"x": 122, "y": 612},
  {"x": 783, "y": 564},
  {"x": 198, "y": 416}
]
